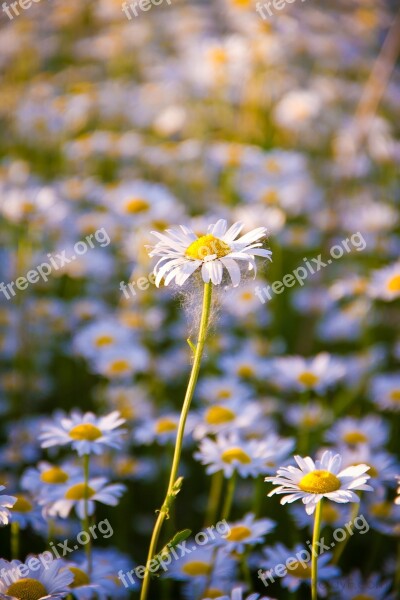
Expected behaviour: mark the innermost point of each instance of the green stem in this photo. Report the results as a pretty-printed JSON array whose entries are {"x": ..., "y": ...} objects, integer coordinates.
[
  {"x": 342, "y": 546},
  {"x": 226, "y": 511},
  {"x": 85, "y": 524},
  {"x": 217, "y": 481},
  {"x": 314, "y": 559},
  {"x": 163, "y": 514},
  {"x": 14, "y": 540}
]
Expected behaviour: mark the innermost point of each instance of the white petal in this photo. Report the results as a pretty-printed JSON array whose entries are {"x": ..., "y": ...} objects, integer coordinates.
[{"x": 233, "y": 270}]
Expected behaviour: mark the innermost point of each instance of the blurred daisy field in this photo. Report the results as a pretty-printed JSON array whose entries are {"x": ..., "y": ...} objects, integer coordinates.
[{"x": 199, "y": 300}]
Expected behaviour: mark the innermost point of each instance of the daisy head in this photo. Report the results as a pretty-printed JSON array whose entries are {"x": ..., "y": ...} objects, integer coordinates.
[
  {"x": 182, "y": 252},
  {"x": 313, "y": 481},
  {"x": 21, "y": 581},
  {"x": 86, "y": 433},
  {"x": 6, "y": 502}
]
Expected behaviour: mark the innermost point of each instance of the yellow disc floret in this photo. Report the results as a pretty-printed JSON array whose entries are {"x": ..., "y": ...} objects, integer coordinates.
[
  {"x": 85, "y": 431},
  {"x": 308, "y": 378},
  {"x": 207, "y": 245},
  {"x": 27, "y": 589},
  {"x": 79, "y": 491},
  {"x": 80, "y": 577},
  {"x": 238, "y": 533},
  {"x": 53, "y": 476},
  {"x": 218, "y": 415},
  {"x": 136, "y": 205},
  {"x": 319, "y": 482},
  {"x": 300, "y": 570},
  {"x": 355, "y": 437},
  {"x": 393, "y": 285},
  {"x": 22, "y": 505},
  {"x": 236, "y": 454},
  {"x": 196, "y": 568}
]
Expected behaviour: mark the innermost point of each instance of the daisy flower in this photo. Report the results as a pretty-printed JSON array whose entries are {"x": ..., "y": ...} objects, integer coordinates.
[
  {"x": 370, "y": 430},
  {"x": 385, "y": 283},
  {"x": 50, "y": 582},
  {"x": 298, "y": 373},
  {"x": 246, "y": 532},
  {"x": 323, "y": 479},
  {"x": 86, "y": 433},
  {"x": 397, "y": 500},
  {"x": 230, "y": 453},
  {"x": 6, "y": 502},
  {"x": 385, "y": 391},
  {"x": 182, "y": 252},
  {"x": 78, "y": 494},
  {"x": 237, "y": 594},
  {"x": 355, "y": 586},
  {"x": 310, "y": 416},
  {"x": 299, "y": 571}
]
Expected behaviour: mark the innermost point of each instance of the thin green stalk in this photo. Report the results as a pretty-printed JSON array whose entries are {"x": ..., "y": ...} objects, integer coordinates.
[
  {"x": 214, "y": 499},
  {"x": 340, "y": 548},
  {"x": 163, "y": 514},
  {"x": 85, "y": 524},
  {"x": 14, "y": 540},
  {"x": 314, "y": 559},
  {"x": 230, "y": 492}
]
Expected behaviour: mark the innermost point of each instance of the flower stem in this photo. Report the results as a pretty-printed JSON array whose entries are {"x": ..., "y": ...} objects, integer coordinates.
[
  {"x": 14, "y": 540},
  {"x": 217, "y": 482},
  {"x": 342, "y": 546},
  {"x": 314, "y": 559},
  {"x": 85, "y": 524},
  {"x": 226, "y": 511},
  {"x": 163, "y": 514}
]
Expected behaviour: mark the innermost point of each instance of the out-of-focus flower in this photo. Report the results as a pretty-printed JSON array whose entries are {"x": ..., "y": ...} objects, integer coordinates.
[
  {"x": 385, "y": 391},
  {"x": 296, "y": 372},
  {"x": 6, "y": 502},
  {"x": 385, "y": 283},
  {"x": 86, "y": 433},
  {"x": 50, "y": 582}
]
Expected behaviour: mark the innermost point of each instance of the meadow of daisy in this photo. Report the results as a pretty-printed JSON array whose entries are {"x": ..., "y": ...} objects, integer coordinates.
[{"x": 199, "y": 294}]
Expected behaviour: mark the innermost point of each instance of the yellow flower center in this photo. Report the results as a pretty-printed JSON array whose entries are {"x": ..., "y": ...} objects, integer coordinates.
[
  {"x": 27, "y": 589},
  {"x": 28, "y": 207},
  {"x": 127, "y": 467},
  {"x": 165, "y": 426},
  {"x": 240, "y": 4},
  {"x": 395, "y": 395},
  {"x": 79, "y": 491},
  {"x": 393, "y": 285},
  {"x": 300, "y": 570},
  {"x": 381, "y": 509},
  {"x": 236, "y": 454},
  {"x": 270, "y": 197},
  {"x": 247, "y": 296},
  {"x": 245, "y": 371},
  {"x": 196, "y": 568},
  {"x": 224, "y": 394},
  {"x": 308, "y": 378},
  {"x": 54, "y": 475},
  {"x": 373, "y": 472},
  {"x": 134, "y": 206},
  {"x": 104, "y": 340},
  {"x": 329, "y": 513},
  {"x": 355, "y": 437},
  {"x": 362, "y": 597},
  {"x": 218, "y": 56},
  {"x": 117, "y": 367},
  {"x": 85, "y": 431},
  {"x": 273, "y": 166},
  {"x": 218, "y": 415},
  {"x": 22, "y": 505},
  {"x": 213, "y": 593},
  {"x": 207, "y": 245},
  {"x": 238, "y": 533},
  {"x": 80, "y": 577},
  {"x": 319, "y": 482}
]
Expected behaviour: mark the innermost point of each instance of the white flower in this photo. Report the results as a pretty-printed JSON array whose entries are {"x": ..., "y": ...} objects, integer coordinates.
[
  {"x": 397, "y": 500},
  {"x": 314, "y": 481},
  {"x": 78, "y": 493},
  {"x": 318, "y": 373},
  {"x": 183, "y": 252},
  {"x": 21, "y": 581},
  {"x": 85, "y": 432},
  {"x": 6, "y": 502},
  {"x": 370, "y": 430},
  {"x": 245, "y": 533},
  {"x": 385, "y": 283},
  {"x": 385, "y": 391}
]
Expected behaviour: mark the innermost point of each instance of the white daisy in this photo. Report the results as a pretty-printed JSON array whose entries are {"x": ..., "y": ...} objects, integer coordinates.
[
  {"x": 78, "y": 494},
  {"x": 397, "y": 500},
  {"x": 237, "y": 594},
  {"x": 48, "y": 582},
  {"x": 85, "y": 432},
  {"x": 298, "y": 373},
  {"x": 183, "y": 252},
  {"x": 245, "y": 533},
  {"x": 371, "y": 430},
  {"x": 385, "y": 391},
  {"x": 385, "y": 283},
  {"x": 314, "y": 481},
  {"x": 6, "y": 502}
]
